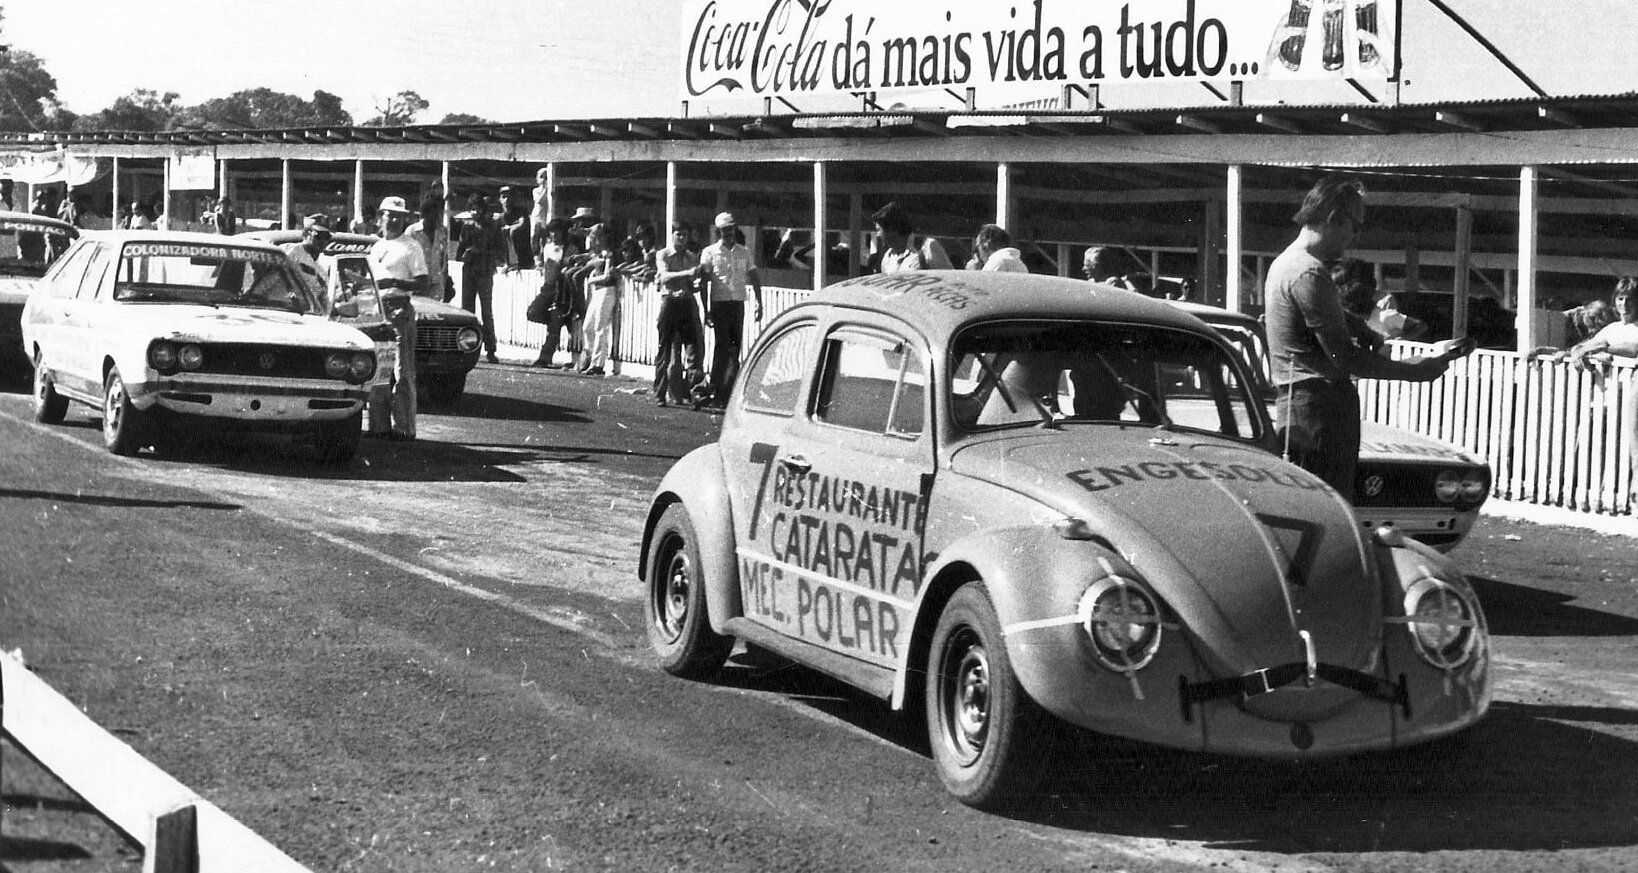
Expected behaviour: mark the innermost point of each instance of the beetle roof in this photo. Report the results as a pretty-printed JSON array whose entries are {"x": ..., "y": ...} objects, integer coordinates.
[{"x": 940, "y": 302}]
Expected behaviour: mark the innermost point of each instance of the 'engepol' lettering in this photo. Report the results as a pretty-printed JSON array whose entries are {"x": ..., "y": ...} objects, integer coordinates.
[{"x": 1104, "y": 478}]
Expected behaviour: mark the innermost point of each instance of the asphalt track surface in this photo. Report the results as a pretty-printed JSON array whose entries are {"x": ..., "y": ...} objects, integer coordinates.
[{"x": 432, "y": 659}]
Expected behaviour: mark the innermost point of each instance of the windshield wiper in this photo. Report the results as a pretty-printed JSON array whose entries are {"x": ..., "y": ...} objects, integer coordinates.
[{"x": 1048, "y": 420}]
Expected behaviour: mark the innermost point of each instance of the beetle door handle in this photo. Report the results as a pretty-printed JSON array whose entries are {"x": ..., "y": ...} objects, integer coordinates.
[{"x": 796, "y": 464}]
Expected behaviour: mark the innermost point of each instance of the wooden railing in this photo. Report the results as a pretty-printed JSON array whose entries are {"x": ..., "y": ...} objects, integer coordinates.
[{"x": 1554, "y": 435}]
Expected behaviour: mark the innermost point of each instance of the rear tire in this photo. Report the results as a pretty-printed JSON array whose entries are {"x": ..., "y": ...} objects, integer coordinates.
[
  {"x": 49, "y": 406},
  {"x": 990, "y": 741},
  {"x": 124, "y": 427},
  {"x": 337, "y": 441},
  {"x": 678, "y": 627}
]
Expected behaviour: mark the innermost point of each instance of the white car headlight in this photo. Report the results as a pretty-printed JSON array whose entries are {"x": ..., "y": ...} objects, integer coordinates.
[
  {"x": 162, "y": 356},
  {"x": 1123, "y": 622},
  {"x": 1443, "y": 622}
]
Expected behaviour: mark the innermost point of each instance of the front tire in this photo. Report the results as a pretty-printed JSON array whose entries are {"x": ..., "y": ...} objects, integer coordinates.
[
  {"x": 678, "y": 627},
  {"x": 49, "y": 406},
  {"x": 990, "y": 741},
  {"x": 123, "y": 425}
]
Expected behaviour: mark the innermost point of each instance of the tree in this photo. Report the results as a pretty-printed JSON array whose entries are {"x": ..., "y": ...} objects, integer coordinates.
[
  {"x": 261, "y": 108},
  {"x": 400, "y": 110},
  {"x": 464, "y": 118},
  {"x": 28, "y": 95},
  {"x": 143, "y": 109}
]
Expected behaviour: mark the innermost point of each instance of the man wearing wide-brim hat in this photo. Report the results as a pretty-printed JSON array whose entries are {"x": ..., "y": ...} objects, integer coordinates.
[
  {"x": 728, "y": 270},
  {"x": 400, "y": 267}
]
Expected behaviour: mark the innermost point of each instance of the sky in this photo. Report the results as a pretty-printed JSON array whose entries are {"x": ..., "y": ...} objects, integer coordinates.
[{"x": 522, "y": 60}]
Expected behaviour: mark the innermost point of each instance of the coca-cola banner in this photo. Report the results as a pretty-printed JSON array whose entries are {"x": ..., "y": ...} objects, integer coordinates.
[{"x": 793, "y": 47}]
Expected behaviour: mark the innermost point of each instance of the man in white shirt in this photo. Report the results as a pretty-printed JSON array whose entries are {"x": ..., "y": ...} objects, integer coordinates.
[
  {"x": 434, "y": 239},
  {"x": 728, "y": 268},
  {"x": 309, "y": 260},
  {"x": 995, "y": 252},
  {"x": 399, "y": 264}
]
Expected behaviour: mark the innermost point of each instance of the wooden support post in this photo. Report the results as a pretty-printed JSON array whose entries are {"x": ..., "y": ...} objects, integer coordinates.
[
  {"x": 113, "y": 217},
  {"x": 164, "y": 196},
  {"x": 1529, "y": 225},
  {"x": 819, "y": 190},
  {"x": 175, "y": 844},
  {"x": 1003, "y": 195},
  {"x": 552, "y": 210},
  {"x": 1459, "y": 287},
  {"x": 664, "y": 237},
  {"x": 286, "y": 194},
  {"x": 1233, "y": 296},
  {"x": 221, "y": 179},
  {"x": 1211, "y": 285},
  {"x": 359, "y": 209}
]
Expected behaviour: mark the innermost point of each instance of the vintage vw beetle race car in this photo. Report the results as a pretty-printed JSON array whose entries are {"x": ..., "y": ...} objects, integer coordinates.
[
  {"x": 447, "y": 338},
  {"x": 28, "y": 245},
  {"x": 169, "y": 333},
  {"x": 1420, "y": 486},
  {"x": 1023, "y": 502}
]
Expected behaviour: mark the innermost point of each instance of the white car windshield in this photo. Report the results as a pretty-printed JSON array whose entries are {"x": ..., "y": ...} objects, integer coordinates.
[
  {"x": 1007, "y": 374},
  {"x": 210, "y": 275}
]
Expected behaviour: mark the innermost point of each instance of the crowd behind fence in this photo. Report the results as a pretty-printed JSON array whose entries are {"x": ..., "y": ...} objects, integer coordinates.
[{"x": 1554, "y": 435}]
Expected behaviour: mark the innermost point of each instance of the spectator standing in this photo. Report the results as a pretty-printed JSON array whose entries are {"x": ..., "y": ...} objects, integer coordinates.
[
  {"x": 1098, "y": 265},
  {"x": 602, "y": 286},
  {"x": 434, "y": 239},
  {"x": 400, "y": 267},
  {"x": 1586, "y": 321},
  {"x": 901, "y": 250},
  {"x": 31, "y": 245},
  {"x": 520, "y": 249},
  {"x": 142, "y": 216},
  {"x": 995, "y": 252},
  {"x": 1619, "y": 338},
  {"x": 227, "y": 221},
  {"x": 556, "y": 250},
  {"x": 728, "y": 270},
  {"x": 1312, "y": 353},
  {"x": 480, "y": 249},
  {"x": 307, "y": 255},
  {"x": 677, "y": 365}
]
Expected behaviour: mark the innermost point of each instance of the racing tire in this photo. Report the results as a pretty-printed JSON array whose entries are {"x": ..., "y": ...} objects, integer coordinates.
[
  {"x": 124, "y": 427},
  {"x": 445, "y": 389},
  {"x": 336, "y": 442},
  {"x": 990, "y": 741},
  {"x": 679, "y": 629},
  {"x": 49, "y": 406}
]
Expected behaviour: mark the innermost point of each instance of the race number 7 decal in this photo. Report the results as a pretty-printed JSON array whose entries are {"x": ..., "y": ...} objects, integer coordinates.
[
  {"x": 764, "y": 454},
  {"x": 1307, "y": 536}
]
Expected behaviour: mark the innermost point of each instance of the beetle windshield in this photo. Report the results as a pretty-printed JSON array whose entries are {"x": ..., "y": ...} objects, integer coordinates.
[
  {"x": 211, "y": 275},
  {"x": 1009, "y": 374}
]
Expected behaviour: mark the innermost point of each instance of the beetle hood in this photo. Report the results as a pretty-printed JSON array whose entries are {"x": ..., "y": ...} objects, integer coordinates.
[{"x": 1247, "y": 549}]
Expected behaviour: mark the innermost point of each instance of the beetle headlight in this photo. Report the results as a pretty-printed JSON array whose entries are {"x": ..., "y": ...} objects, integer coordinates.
[
  {"x": 1123, "y": 622},
  {"x": 1444, "y": 624},
  {"x": 467, "y": 339}
]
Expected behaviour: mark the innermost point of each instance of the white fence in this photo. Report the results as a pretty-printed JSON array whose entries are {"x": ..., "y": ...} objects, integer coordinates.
[{"x": 1554, "y": 435}]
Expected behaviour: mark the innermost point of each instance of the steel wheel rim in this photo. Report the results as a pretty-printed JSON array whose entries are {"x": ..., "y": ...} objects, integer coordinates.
[
  {"x": 40, "y": 383},
  {"x": 671, "y": 594},
  {"x": 965, "y": 699},
  {"x": 113, "y": 406}
]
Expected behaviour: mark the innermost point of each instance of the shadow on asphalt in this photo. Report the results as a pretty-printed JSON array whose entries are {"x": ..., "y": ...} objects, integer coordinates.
[
  {"x": 121, "y": 502},
  {"x": 1522, "y": 611},
  {"x": 1525, "y": 779}
]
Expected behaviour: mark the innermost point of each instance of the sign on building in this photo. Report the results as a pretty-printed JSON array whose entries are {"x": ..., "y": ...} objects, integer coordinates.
[
  {"x": 767, "y": 48},
  {"x": 193, "y": 171}
]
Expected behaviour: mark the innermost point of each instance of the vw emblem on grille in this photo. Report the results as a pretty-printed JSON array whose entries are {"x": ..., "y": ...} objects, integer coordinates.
[
  {"x": 1374, "y": 485},
  {"x": 266, "y": 361}
]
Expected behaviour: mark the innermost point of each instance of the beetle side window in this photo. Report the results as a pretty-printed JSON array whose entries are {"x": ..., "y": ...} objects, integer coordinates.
[
  {"x": 874, "y": 384},
  {"x": 773, "y": 382}
]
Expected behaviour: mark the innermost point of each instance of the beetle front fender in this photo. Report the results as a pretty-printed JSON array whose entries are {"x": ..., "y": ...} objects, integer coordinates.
[{"x": 698, "y": 483}]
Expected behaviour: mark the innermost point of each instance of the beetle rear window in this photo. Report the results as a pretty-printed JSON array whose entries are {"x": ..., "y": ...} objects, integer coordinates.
[{"x": 1019, "y": 373}]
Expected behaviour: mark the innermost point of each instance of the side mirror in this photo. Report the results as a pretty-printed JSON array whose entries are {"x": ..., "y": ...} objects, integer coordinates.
[{"x": 345, "y": 309}]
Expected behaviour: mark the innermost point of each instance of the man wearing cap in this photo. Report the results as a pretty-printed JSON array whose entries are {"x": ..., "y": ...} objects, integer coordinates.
[
  {"x": 727, "y": 267},
  {"x": 400, "y": 267},
  {"x": 315, "y": 236}
]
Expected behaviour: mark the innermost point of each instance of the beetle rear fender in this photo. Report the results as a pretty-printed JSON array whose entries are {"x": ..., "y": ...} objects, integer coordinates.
[
  {"x": 1031, "y": 574},
  {"x": 697, "y": 483}
]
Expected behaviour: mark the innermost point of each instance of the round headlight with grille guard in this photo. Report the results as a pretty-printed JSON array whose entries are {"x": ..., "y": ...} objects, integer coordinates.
[
  {"x": 1122, "y": 621},
  {"x": 1443, "y": 623}
]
